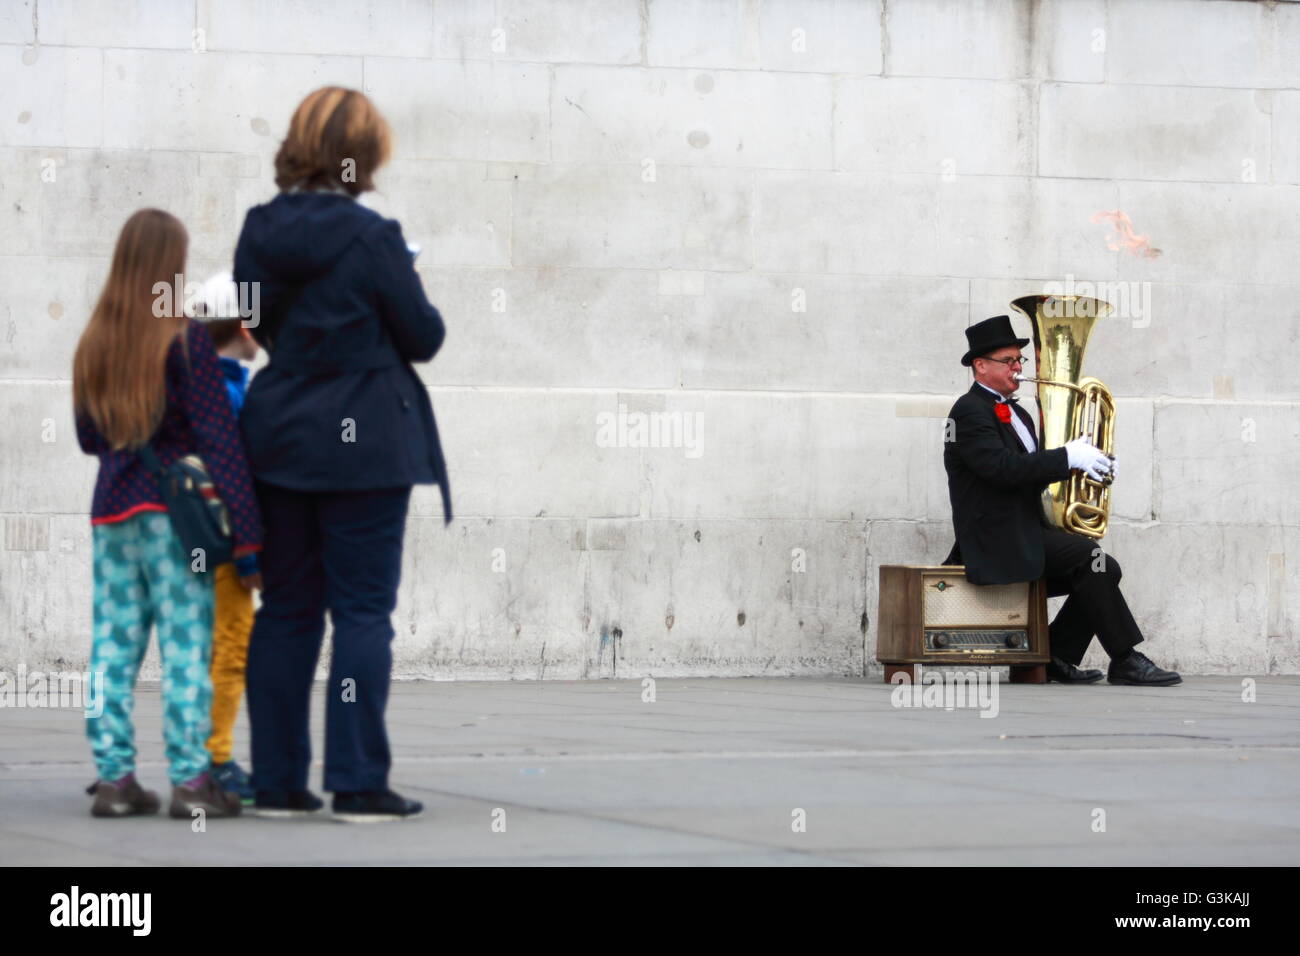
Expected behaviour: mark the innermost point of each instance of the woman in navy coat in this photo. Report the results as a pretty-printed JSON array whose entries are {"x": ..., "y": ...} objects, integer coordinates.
[{"x": 338, "y": 428}]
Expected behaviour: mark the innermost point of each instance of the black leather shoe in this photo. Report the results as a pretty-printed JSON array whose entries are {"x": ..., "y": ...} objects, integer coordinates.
[
  {"x": 1137, "y": 669},
  {"x": 1063, "y": 673}
]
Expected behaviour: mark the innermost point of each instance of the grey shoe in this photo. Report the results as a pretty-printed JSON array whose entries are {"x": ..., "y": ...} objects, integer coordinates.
[
  {"x": 207, "y": 796},
  {"x": 127, "y": 800}
]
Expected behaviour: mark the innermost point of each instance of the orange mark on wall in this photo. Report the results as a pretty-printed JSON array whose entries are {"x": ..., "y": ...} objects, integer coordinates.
[{"x": 1123, "y": 237}]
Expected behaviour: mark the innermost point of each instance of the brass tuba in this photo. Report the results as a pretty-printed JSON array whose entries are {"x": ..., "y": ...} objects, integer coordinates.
[{"x": 1070, "y": 406}]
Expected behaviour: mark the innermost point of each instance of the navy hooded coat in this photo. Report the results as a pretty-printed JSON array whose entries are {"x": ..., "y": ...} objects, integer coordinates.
[{"x": 342, "y": 315}]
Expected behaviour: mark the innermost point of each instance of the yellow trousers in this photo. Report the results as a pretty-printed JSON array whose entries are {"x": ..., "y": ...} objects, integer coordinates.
[{"x": 232, "y": 625}]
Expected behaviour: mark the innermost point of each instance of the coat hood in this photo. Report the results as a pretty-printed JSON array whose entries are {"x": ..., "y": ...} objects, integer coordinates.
[{"x": 298, "y": 236}]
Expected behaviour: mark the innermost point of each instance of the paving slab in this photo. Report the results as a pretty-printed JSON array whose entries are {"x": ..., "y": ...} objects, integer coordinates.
[{"x": 743, "y": 772}]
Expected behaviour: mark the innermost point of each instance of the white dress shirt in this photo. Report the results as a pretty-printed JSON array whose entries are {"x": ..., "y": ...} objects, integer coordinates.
[{"x": 1025, "y": 435}]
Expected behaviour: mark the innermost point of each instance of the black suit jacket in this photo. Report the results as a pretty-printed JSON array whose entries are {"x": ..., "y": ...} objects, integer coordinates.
[{"x": 994, "y": 486}]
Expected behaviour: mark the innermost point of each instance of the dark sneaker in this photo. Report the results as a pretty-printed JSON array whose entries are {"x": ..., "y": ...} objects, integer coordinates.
[
  {"x": 1137, "y": 669},
  {"x": 122, "y": 799},
  {"x": 231, "y": 776},
  {"x": 285, "y": 803},
  {"x": 374, "y": 806},
  {"x": 205, "y": 795}
]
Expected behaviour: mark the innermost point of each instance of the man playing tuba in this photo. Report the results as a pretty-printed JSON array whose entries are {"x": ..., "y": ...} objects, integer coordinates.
[{"x": 996, "y": 473}]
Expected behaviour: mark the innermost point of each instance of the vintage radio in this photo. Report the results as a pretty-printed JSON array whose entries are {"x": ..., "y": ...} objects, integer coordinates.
[{"x": 932, "y": 615}]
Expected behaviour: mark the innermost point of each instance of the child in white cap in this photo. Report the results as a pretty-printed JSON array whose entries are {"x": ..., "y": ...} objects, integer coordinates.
[{"x": 219, "y": 309}]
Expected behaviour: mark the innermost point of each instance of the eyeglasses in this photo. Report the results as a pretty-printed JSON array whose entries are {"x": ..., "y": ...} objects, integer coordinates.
[{"x": 1013, "y": 360}]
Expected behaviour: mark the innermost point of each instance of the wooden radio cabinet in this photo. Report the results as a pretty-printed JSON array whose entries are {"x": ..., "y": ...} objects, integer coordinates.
[{"x": 930, "y": 614}]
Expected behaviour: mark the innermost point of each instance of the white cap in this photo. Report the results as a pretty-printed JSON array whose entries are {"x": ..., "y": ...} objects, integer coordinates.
[{"x": 218, "y": 299}]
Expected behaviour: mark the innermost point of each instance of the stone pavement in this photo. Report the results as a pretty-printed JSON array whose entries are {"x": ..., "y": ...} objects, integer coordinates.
[{"x": 716, "y": 771}]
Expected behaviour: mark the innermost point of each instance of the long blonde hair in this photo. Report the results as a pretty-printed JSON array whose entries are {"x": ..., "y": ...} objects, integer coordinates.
[{"x": 119, "y": 371}]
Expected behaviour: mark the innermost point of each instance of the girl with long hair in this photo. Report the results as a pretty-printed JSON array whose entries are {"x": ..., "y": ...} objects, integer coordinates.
[{"x": 145, "y": 375}]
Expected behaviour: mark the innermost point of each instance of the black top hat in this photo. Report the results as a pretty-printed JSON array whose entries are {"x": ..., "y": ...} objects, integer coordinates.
[{"x": 990, "y": 335}]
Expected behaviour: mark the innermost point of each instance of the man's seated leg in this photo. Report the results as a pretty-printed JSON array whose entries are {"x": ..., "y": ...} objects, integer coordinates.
[
  {"x": 1096, "y": 605},
  {"x": 1068, "y": 637},
  {"x": 1072, "y": 629}
]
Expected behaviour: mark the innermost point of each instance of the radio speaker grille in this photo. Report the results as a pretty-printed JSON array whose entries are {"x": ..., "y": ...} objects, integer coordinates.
[{"x": 951, "y": 601}]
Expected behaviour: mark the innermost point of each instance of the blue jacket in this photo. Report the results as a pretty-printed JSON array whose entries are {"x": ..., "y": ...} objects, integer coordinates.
[
  {"x": 236, "y": 376},
  {"x": 339, "y": 407},
  {"x": 236, "y": 381}
]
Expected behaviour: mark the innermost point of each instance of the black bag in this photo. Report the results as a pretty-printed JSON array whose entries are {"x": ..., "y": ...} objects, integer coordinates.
[{"x": 199, "y": 517}]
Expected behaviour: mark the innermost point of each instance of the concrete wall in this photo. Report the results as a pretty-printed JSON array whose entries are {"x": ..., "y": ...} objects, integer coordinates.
[{"x": 772, "y": 217}]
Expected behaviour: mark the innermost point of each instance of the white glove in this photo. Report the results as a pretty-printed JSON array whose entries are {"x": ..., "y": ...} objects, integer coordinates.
[{"x": 1087, "y": 459}]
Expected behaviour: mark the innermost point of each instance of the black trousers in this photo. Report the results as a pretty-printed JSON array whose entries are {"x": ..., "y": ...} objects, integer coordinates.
[
  {"x": 341, "y": 552},
  {"x": 1077, "y": 566}
]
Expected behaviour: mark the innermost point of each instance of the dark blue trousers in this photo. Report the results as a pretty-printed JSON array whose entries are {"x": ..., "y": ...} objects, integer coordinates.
[{"x": 340, "y": 551}]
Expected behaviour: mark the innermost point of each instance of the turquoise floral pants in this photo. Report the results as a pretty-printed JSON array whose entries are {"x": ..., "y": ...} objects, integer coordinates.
[{"x": 143, "y": 579}]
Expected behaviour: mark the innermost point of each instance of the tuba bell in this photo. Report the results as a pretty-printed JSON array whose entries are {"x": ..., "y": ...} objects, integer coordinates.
[{"x": 1069, "y": 405}]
